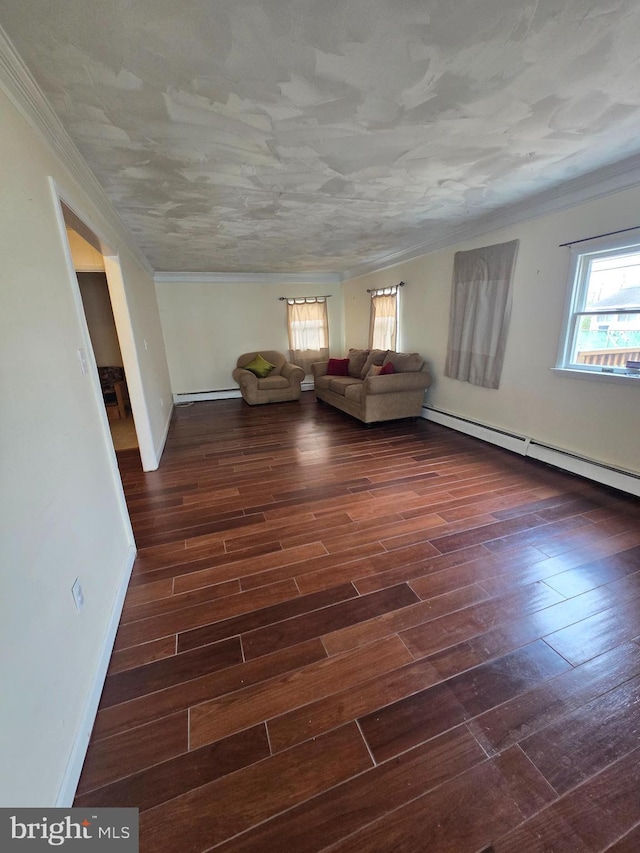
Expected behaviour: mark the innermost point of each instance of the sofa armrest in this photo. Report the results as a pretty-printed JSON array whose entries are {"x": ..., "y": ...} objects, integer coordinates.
[
  {"x": 419, "y": 380},
  {"x": 292, "y": 372},
  {"x": 245, "y": 378},
  {"x": 319, "y": 368}
]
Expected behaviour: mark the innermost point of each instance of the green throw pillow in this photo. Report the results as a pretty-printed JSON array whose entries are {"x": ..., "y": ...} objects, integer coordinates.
[{"x": 260, "y": 366}]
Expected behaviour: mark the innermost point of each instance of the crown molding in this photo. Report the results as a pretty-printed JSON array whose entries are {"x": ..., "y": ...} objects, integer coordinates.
[
  {"x": 601, "y": 182},
  {"x": 24, "y": 93},
  {"x": 248, "y": 277}
]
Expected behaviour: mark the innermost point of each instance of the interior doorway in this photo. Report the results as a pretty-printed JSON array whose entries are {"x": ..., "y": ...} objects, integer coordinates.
[
  {"x": 89, "y": 265},
  {"x": 94, "y": 292}
]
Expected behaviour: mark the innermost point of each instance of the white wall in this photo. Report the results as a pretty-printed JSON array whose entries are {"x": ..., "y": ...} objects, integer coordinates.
[
  {"x": 595, "y": 419},
  {"x": 207, "y": 325},
  {"x": 61, "y": 509}
]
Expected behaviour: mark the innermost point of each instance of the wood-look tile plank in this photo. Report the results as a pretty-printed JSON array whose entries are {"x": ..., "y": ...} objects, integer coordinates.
[
  {"x": 287, "y": 633},
  {"x": 144, "y": 653},
  {"x": 197, "y": 615},
  {"x": 430, "y": 712},
  {"x": 575, "y": 748},
  {"x": 123, "y": 754},
  {"x": 121, "y": 718},
  {"x": 598, "y": 633},
  {"x": 265, "y": 616},
  {"x": 340, "y": 811},
  {"x": 169, "y": 779},
  {"x": 551, "y": 702},
  {"x": 463, "y": 624},
  {"x": 590, "y": 818},
  {"x": 151, "y": 677},
  {"x": 167, "y": 604},
  {"x": 235, "y": 803},
  {"x": 401, "y": 620},
  {"x": 463, "y": 815},
  {"x": 220, "y": 717},
  {"x": 356, "y": 700}
]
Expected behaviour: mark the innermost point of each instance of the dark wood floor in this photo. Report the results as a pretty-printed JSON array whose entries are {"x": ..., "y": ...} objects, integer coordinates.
[{"x": 386, "y": 639}]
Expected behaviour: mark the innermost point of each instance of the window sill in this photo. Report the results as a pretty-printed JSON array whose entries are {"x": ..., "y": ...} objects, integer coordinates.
[{"x": 596, "y": 376}]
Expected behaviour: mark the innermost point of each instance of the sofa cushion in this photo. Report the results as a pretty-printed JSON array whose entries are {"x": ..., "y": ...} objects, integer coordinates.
[
  {"x": 404, "y": 362},
  {"x": 271, "y": 383},
  {"x": 357, "y": 358},
  {"x": 338, "y": 367},
  {"x": 322, "y": 381},
  {"x": 376, "y": 356},
  {"x": 354, "y": 392},
  {"x": 260, "y": 366},
  {"x": 340, "y": 383}
]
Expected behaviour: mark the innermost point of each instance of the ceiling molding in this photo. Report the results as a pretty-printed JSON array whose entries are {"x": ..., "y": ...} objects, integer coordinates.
[
  {"x": 248, "y": 277},
  {"x": 27, "y": 97},
  {"x": 616, "y": 177}
]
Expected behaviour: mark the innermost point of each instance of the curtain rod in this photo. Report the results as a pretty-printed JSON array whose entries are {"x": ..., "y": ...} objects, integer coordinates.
[
  {"x": 597, "y": 236},
  {"x": 285, "y": 298},
  {"x": 382, "y": 289}
]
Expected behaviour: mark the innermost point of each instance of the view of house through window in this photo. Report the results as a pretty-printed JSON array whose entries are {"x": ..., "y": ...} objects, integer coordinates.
[{"x": 603, "y": 325}]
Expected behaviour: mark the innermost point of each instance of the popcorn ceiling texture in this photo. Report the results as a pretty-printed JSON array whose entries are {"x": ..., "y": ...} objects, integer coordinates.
[{"x": 300, "y": 135}]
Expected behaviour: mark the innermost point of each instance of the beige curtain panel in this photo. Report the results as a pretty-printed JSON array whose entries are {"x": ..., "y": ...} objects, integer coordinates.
[
  {"x": 383, "y": 325},
  {"x": 308, "y": 331},
  {"x": 480, "y": 311}
]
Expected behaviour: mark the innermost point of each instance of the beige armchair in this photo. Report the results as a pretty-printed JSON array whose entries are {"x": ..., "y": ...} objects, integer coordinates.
[{"x": 281, "y": 384}]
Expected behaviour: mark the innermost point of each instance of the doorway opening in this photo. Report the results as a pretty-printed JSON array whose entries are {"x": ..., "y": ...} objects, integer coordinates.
[{"x": 90, "y": 269}]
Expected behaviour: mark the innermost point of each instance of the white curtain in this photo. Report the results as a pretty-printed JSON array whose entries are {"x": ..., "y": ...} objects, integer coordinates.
[
  {"x": 383, "y": 325},
  {"x": 480, "y": 311},
  {"x": 308, "y": 331}
]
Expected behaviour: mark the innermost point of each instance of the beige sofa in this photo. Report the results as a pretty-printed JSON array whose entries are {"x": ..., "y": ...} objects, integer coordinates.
[
  {"x": 283, "y": 383},
  {"x": 373, "y": 398}
]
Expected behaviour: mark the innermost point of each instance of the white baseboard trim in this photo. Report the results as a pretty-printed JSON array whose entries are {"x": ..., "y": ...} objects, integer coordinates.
[
  {"x": 160, "y": 448},
  {"x": 73, "y": 770},
  {"x": 625, "y": 481}
]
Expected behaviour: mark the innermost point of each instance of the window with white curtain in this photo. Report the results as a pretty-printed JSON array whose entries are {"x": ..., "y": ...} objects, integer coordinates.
[
  {"x": 480, "y": 311},
  {"x": 308, "y": 327},
  {"x": 383, "y": 325}
]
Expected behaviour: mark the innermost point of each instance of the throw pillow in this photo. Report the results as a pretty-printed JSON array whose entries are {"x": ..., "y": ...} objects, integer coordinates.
[
  {"x": 374, "y": 370},
  {"x": 376, "y": 356},
  {"x": 338, "y": 367},
  {"x": 357, "y": 358},
  {"x": 387, "y": 368},
  {"x": 260, "y": 367}
]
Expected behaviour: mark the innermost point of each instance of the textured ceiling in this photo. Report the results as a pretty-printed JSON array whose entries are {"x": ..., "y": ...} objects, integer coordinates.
[{"x": 299, "y": 135}]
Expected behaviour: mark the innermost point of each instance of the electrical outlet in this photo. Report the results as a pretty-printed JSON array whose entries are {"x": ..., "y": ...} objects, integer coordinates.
[
  {"x": 162, "y": 402},
  {"x": 78, "y": 595}
]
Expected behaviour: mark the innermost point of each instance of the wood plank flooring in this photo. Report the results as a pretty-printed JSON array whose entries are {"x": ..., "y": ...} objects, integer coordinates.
[{"x": 347, "y": 639}]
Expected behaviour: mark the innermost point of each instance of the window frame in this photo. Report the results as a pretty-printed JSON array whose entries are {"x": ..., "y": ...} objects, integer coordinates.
[{"x": 582, "y": 256}]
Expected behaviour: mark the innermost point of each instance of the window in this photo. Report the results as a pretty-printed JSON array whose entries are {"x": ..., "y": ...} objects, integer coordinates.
[
  {"x": 308, "y": 330},
  {"x": 383, "y": 325},
  {"x": 602, "y": 323}
]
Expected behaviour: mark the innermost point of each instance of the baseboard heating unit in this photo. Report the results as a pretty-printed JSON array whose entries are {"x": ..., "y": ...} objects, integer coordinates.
[
  {"x": 220, "y": 394},
  {"x": 617, "y": 478}
]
